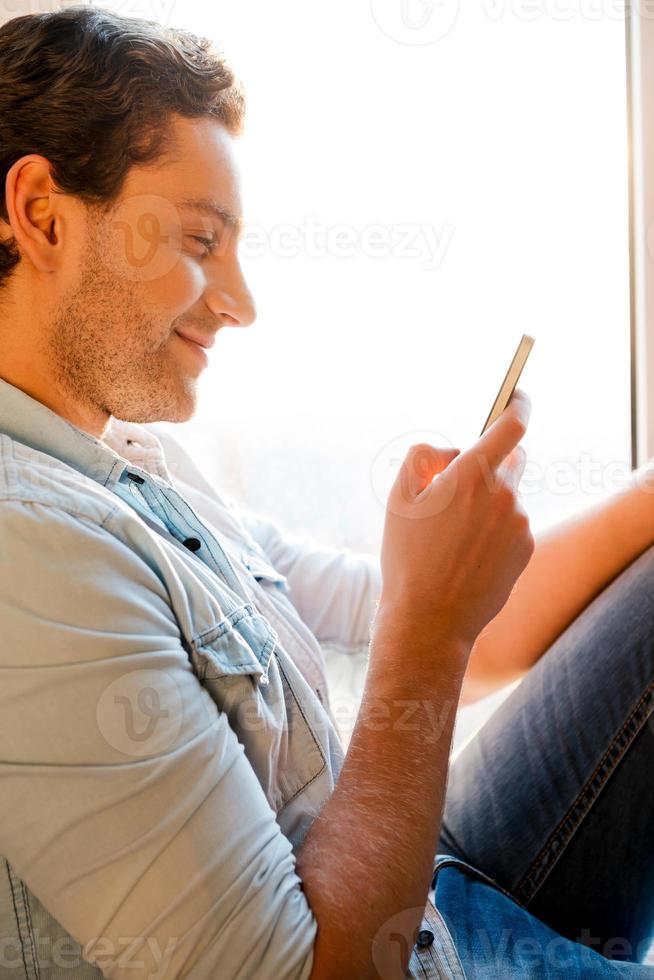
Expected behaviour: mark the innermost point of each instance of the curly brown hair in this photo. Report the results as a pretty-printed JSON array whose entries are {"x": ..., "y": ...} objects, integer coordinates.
[{"x": 91, "y": 91}]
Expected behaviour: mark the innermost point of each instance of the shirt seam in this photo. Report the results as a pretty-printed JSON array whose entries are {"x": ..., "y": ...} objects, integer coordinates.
[{"x": 70, "y": 511}]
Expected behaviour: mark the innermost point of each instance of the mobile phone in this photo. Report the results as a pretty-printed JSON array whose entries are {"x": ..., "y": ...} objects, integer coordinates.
[{"x": 510, "y": 380}]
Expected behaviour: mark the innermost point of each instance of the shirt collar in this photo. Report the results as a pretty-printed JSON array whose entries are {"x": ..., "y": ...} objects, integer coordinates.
[{"x": 32, "y": 423}]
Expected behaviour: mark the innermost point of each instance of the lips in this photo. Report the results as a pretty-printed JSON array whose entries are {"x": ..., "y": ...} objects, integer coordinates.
[{"x": 206, "y": 342}]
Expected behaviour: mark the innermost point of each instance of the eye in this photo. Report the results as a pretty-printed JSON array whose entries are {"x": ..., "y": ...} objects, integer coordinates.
[{"x": 208, "y": 244}]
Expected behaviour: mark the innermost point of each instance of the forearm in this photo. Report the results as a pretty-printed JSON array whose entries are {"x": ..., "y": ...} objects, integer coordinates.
[
  {"x": 369, "y": 854},
  {"x": 571, "y": 564}
]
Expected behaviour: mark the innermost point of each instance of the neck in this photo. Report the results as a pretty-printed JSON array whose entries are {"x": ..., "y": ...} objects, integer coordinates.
[{"x": 44, "y": 390}]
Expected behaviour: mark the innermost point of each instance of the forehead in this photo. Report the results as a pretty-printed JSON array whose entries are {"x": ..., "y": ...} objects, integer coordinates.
[{"x": 198, "y": 171}]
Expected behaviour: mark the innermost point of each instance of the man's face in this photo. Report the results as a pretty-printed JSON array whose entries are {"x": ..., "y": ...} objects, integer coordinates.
[{"x": 141, "y": 274}]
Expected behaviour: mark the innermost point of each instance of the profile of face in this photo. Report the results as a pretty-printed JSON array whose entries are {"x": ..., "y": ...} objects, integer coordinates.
[{"x": 123, "y": 288}]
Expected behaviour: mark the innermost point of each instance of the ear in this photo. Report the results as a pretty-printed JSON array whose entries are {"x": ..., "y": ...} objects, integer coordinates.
[{"x": 32, "y": 207}]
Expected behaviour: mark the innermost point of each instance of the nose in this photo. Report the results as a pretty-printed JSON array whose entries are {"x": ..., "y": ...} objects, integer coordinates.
[{"x": 230, "y": 299}]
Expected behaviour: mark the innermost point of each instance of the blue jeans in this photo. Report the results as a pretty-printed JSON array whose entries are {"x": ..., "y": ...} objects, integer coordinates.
[{"x": 553, "y": 800}]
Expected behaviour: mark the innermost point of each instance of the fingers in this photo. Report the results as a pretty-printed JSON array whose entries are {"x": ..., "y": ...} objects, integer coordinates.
[
  {"x": 421, "y": 464},
  {"x": 503, "y": 436},
  {"x": 499, "y": 444},
  {"x": 513, "y": 467}
]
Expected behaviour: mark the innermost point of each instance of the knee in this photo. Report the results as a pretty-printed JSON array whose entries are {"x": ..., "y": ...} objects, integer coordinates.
[
  {"x": 630, "y": 595},
  {"x": 639, "y": 573}
]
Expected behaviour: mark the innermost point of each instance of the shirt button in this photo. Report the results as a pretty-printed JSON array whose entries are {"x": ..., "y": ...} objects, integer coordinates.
[
  {"x": 136, "y": 478},
  {"x": 425, "y": 938},
  {"x": 193, "y": 544}
]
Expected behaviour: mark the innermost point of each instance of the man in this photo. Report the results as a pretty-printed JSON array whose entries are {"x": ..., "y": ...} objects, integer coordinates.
[{"x": 175, "y": 800}]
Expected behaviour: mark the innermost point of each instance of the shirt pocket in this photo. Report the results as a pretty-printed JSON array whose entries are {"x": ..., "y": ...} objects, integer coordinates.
[
  {"x": 241, "y": 642},
  {"x": 238, "y": 662}
]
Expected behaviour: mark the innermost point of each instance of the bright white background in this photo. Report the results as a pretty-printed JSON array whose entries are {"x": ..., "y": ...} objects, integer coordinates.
[{"x": 505, "y": 136}]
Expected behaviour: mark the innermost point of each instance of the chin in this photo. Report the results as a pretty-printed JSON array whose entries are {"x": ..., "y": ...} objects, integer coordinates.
[{"x": 180, "y": 410}]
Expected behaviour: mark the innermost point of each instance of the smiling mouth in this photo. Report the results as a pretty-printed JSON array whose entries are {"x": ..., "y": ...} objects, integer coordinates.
[
  {"x": 202, "y": 340},
  {"x": 197, "y": 349}
]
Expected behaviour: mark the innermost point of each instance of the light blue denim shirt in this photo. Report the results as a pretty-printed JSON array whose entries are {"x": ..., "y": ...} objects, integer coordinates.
[{"x": 162, "y": 754}]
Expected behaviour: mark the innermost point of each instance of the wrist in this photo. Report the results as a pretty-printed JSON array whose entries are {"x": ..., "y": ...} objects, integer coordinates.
[
  {"x": 421, "y": 621},
  {"x": 405, "y": 641}
]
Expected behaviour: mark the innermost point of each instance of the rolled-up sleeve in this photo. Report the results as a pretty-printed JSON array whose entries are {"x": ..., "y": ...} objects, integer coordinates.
[
  {"x": 128, "y": 806},
  {"x": 334, "y": 590}
]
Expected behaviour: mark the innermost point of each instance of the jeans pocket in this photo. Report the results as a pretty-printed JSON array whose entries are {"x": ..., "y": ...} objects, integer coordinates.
[{"x": 446, "y": 860}]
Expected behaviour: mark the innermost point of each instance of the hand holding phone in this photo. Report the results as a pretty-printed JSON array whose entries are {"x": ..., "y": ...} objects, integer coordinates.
[{"x": 451, "y": 566}]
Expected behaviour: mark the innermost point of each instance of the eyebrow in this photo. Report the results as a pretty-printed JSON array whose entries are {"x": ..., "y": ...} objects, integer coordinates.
[{"x": 212, "y": 208}]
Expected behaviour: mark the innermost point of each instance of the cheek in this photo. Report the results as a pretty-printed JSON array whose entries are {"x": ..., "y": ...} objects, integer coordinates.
[
  {"x": 178, "y": 288},
  {"x": 146, "y": 241}
]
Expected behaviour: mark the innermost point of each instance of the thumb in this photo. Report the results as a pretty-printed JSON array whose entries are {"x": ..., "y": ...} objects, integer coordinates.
[{"x": 421, "y": 464}]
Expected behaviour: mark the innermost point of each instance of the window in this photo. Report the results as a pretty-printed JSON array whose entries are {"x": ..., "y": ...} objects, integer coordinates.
[{"x": 428, "y": 182}]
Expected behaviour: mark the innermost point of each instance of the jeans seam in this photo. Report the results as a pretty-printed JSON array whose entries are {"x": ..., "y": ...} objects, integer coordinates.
[{"x": 560, "y": 837}]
